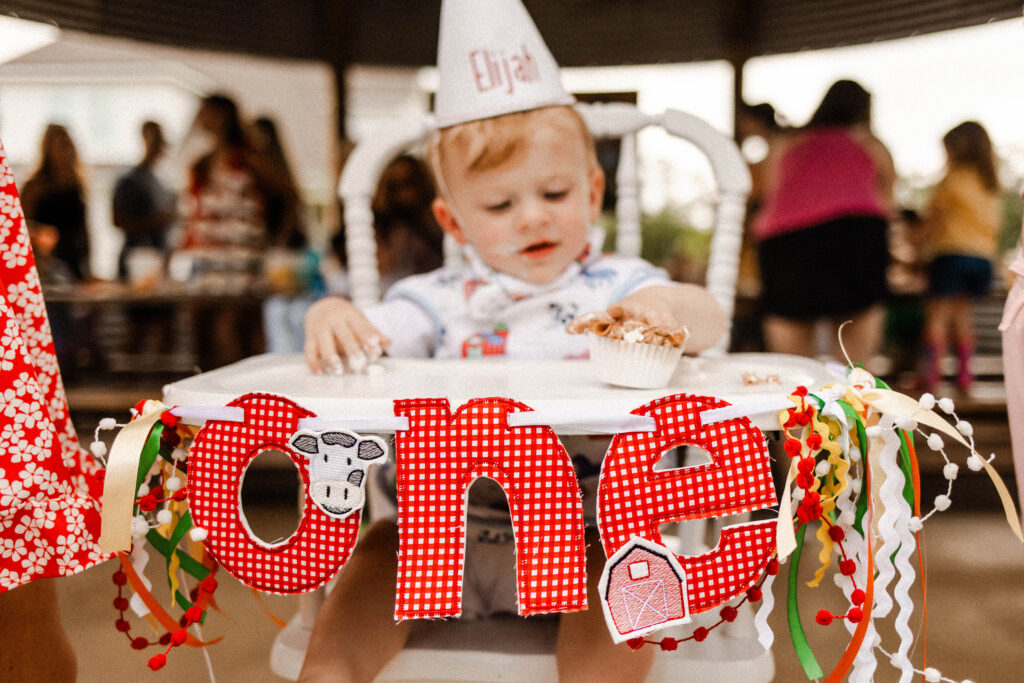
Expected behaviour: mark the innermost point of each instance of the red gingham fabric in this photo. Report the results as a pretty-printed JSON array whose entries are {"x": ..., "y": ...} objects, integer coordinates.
[
  {"x": 49, "y": 514},
  {"x": 439, "y": 457},
  {"x": 218, "y": 458},
  {"x": 633, "y": 499}
]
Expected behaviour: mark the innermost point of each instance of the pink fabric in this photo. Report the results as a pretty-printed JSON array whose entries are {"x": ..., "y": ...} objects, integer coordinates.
[
  {"x": 823, "y": 176},
  {"x": 1012, "y": 327}
]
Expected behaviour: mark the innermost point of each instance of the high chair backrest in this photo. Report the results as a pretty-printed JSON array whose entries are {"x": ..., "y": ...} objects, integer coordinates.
[{"x": 613, "y": 120}]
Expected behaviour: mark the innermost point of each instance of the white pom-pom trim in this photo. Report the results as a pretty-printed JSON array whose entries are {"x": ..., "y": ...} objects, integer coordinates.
[
  {"x": 927, "y": 401},
  {"x": 108, "y": 423},
  {"x": 946, "y": 405},
  {"x": 906, "y": 422},
  {"x": 197, "y": 534},
  {"x": 975, "y": 464},
  {"x": 950, "y": 471},
  {"x": 942, "y": 502},
  {"x": 179, "y": 454},
  {"x": 935, "y": 442},
  {"x": 140, "y": 527},
  {"x": 873, "y": 432},
  {"x": 143, "y": 489},
  {"x": 915, "y": 524},
  {"x": 173, "y": 484},
  {"x": 164, "y": 517},
  {"x": 932, "y": 675},
  {"x": 98, "y": 449},
  {"x": 965, "y": 428},
  {"x": 822, "y": 468}
]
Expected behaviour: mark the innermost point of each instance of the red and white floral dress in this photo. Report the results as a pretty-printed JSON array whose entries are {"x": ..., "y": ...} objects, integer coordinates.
[{"x": 49, "y": 486}]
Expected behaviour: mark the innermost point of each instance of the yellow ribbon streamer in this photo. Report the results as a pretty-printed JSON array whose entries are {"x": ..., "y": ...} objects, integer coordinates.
[{"x": 119, "y": 481}]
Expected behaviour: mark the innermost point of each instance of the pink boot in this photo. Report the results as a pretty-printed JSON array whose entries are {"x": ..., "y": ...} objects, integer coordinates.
[{"x": 964, "y": 379}]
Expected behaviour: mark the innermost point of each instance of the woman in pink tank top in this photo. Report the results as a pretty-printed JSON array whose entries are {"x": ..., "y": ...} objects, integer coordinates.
[{"x": 823, "y": 248}]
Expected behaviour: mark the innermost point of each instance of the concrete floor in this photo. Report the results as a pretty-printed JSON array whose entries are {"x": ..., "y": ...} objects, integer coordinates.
[{"x": 975, "y": 583}]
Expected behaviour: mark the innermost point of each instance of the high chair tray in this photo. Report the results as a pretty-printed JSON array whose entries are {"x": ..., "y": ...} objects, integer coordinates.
[{"x": 559, "y": 387}]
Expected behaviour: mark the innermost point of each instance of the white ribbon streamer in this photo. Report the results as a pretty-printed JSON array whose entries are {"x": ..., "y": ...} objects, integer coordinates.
[{"x": 765, "y": 635}]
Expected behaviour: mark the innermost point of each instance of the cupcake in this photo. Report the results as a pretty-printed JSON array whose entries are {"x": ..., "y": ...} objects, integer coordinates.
[{"x": 629, "y": 352}]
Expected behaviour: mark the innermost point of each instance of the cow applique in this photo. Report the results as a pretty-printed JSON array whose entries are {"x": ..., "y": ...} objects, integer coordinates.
[{"x": 338, "y": 462}]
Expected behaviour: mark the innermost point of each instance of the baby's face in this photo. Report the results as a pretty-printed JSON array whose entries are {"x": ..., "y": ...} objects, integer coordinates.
[{"x": 530, "y": 216}]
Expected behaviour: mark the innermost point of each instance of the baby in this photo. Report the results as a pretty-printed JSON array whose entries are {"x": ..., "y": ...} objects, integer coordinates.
[{"x": 520, "y": 192}]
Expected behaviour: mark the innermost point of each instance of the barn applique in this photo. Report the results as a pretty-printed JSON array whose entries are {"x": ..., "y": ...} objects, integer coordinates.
[{"x": 643, "y": 589}]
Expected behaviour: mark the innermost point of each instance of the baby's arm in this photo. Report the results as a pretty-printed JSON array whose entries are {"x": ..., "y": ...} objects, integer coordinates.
[
  {"x": 335, "y": 328},
  {"x": 677, "y": 305}
]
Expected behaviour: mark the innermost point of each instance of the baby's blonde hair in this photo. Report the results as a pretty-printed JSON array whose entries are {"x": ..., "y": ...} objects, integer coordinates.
[{"x": 488, "y": 143}]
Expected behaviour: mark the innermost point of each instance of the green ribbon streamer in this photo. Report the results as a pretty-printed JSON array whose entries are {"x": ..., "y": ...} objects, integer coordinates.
[
  {"x": 796, "y": 629},
  {"x": 149, "y": 453},
  {"x": 189, "y": 565}
]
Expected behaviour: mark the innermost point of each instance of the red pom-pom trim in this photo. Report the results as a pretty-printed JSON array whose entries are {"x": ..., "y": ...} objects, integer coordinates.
[
  {"x": 139, "y": 643},
  {"x": 772, "y": 568},
  {"x": 858, "y": 597},
  {"x": 814, "y": 441},
  {"x": 836, "y": 534},
  {"x": 754, "y": 594},
  {"x": 855, "y": 615},
  {"x": 847, "y": 567},
  {"x": 669, "y": 644},
  {"x": 823, "y": 617},
  {"x": 635, "y": 643},
  {"x": 157, "y": 662},
  {"x": 700, "y": 634},
  {"x": 729, "y": 613}
]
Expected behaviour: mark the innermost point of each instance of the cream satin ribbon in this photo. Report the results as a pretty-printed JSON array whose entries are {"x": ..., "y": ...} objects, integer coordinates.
[{"x": 119, "y": 481}]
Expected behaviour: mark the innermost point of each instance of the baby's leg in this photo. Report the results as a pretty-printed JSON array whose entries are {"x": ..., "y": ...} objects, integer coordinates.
[
  {"x": 355, "y": 634},
  {"x": 585, "y": 649}
]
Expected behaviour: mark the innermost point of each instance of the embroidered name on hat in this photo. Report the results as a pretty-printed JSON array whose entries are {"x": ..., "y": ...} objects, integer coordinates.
[{"x": 498, "y": 70}]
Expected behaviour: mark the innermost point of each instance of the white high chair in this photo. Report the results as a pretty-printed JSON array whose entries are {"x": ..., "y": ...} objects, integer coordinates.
[{"x": 512, "y": 648}]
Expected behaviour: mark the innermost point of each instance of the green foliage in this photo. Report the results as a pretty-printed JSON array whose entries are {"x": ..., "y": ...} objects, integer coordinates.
[
  {"x": 669, "y": 241},
  {"x": 1010, "y": 230}
]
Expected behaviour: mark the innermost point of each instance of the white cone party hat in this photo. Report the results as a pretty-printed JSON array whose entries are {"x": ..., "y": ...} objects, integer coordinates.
[{"x": 492, "y": 61}]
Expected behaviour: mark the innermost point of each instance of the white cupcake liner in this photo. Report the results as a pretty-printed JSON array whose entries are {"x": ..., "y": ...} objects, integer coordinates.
[{"x": 632, "y": 364}]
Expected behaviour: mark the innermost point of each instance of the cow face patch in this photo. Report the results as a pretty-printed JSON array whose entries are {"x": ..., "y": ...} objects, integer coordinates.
[{"x": 338, "y": 461}]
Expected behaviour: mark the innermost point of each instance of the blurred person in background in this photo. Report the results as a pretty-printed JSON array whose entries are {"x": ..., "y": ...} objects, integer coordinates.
[
  {"x": 962, "y": 224},
  {"x": 143, "y": 207},
  {"x": 822, "y": 229},
  {"x": 760, "y": 132},
  {"x": 54, "y": 195},
  {"x": 225, "y": 231},
  {"x": 290, "y": 267},
  {"x": 282, "y": 204}
]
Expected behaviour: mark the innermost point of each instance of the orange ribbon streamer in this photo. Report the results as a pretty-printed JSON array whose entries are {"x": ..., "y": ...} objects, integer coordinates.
[{"x": 161, "y": 615}]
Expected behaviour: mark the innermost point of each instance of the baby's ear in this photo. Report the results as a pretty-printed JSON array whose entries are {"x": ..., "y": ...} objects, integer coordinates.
[
  {"x": 446, "y": 219},
  {"x": 596, "y": 193}
]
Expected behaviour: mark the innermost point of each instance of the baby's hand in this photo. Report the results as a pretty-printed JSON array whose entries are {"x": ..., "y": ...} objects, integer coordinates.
[
  {"x": 673, "y": 306},
  {"x": 335, "y": 328},
  {"x": 657, "y": 306}
]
